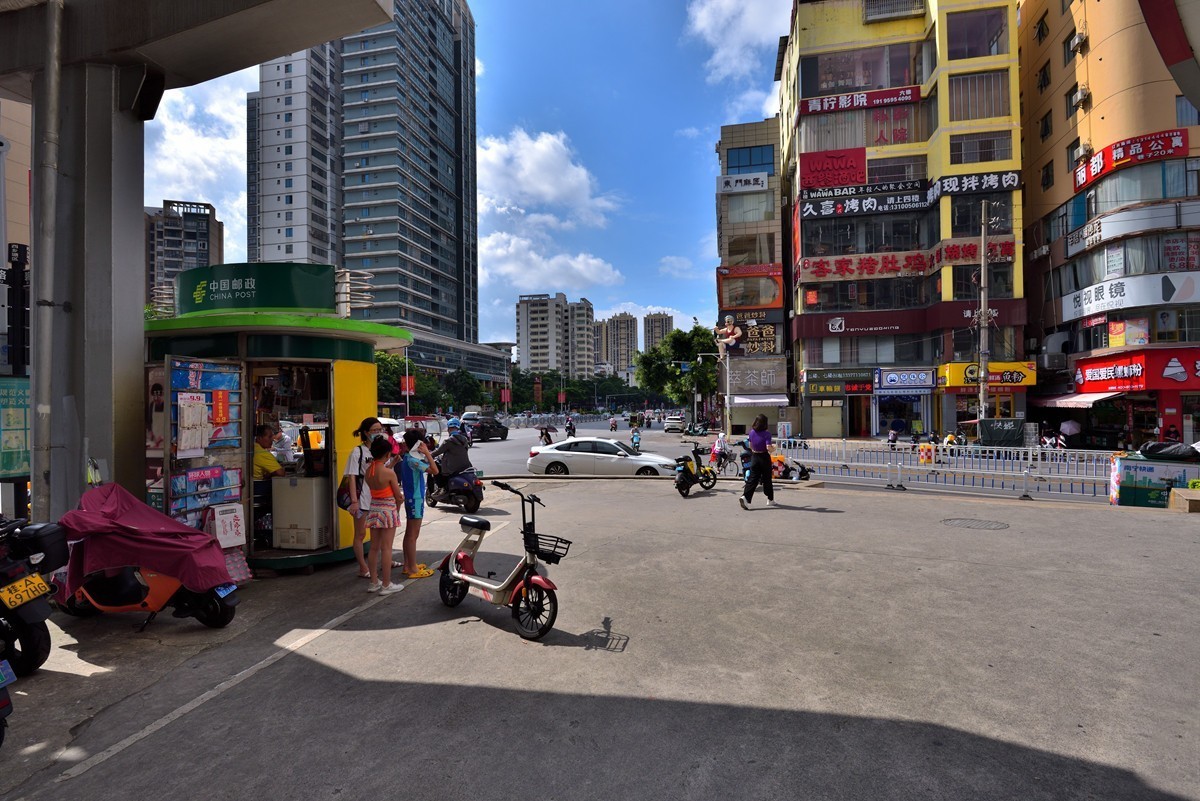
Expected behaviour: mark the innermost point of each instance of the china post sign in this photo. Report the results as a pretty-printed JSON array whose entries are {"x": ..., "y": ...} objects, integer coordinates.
[
  {"x": 224, "y": 288},
  {"x": 910, "y": 381}
]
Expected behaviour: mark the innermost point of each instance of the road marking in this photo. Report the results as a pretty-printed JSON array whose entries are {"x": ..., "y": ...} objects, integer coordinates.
[{"x": 110, "y": 752}]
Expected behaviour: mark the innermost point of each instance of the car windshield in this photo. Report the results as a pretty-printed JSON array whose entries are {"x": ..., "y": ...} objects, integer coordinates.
[{"x": 625, "y": 448}]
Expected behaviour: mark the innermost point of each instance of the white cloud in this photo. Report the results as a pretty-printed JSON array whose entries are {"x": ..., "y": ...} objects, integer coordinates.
[
  {"x": 743, "y": 34},
  {"x": 196, "y": 151},
  {"x": 510, "y": 261},
  {"x": 677, "y": 267},
  {"x": 539, "y": 175},
  {"x": 688, "y": 133},
  {"x": 479, "y": 69},
  {"x": 752, "y": 105}
]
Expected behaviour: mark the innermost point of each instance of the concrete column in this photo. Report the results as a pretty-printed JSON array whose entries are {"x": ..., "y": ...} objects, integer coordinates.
[{"x": 99, "y": 268}]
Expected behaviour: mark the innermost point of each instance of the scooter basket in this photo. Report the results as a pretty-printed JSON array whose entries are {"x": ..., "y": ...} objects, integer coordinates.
[{"x": 547, "y": 547}]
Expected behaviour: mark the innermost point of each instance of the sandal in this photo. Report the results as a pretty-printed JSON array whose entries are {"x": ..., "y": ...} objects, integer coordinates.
[
  {"x": 364, "y": 575},
  {"x": 396, "y": 565},
  {"x": 422, "y": 572}
]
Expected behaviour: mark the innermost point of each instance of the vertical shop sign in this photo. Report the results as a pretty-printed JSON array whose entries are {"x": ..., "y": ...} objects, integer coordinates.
[
  {"x": 220, "y": 411},
  {"x": 14, "y": 427}
]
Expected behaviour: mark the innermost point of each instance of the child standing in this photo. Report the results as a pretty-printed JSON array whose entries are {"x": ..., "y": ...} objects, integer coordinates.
[
  {"x": 383, "y": 516},
  {"x": 415, "y": 463}
]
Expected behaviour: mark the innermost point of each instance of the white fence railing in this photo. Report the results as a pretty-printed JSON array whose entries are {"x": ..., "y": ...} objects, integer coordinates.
[{"x": 1024, "y": 472}]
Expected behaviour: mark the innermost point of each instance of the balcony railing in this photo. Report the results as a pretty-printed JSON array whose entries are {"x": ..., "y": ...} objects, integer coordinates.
[{"x": 877, "y": 10}]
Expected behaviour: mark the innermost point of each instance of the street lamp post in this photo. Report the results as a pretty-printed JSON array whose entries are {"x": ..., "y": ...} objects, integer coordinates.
[{"x": 728, "y": 388}]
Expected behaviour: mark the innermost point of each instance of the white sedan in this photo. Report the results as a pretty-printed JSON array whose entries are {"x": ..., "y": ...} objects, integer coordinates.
[{"x": 595, "y": 456}]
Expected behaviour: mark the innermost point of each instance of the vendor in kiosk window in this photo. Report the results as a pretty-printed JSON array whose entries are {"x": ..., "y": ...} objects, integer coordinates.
[{"x": 265, "y": 463}]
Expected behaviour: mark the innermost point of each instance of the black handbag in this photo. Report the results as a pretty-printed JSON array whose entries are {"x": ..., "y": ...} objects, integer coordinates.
[{"x": 344, "y": 498}]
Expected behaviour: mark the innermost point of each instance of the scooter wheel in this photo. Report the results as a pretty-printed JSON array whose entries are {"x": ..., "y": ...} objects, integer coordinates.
[
  {"x": 76, "y": 608},
  {"x": 708, "y": 479},
  {"x": 534, "y": 611},
  {"x": 451, "y": 589},
  {"x": 214, "y": 614},
  {"x": 26, "y": 645},
  {"x": 470, "y": 504},
  {"x": 683, "y": 491}
]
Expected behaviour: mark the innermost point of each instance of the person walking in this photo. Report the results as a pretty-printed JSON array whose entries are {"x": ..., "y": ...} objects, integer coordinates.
[
  {"x": 383, "y": 516},
  {"x": 416, "y": 462},
  {"x": 760, "y": 464}
]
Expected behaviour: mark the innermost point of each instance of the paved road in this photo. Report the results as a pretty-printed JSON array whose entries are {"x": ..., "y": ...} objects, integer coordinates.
[
  {"x": 847, "y": 645},
  {"x": 509, "y": 457}
]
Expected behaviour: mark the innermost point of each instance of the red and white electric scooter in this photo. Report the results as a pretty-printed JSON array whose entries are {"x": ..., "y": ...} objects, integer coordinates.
[{"x": 530, "y": 594}]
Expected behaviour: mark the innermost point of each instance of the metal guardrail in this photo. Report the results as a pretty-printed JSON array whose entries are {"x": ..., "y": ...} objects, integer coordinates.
[{"x": 1024, "y": 472}]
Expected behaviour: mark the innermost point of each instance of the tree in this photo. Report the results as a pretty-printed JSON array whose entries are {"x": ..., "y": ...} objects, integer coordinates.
[
  {"x": 671, "y": 367},
  {"x": 390, "y": 368},
  {"x": 462, "y": 388}
]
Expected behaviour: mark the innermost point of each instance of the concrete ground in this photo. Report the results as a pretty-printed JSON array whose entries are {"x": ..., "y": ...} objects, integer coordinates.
[{"x": 846, "y": 645}]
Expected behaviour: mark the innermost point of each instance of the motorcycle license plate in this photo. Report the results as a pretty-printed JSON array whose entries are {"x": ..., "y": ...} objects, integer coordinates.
[
  {"x": 23, "y": 590},
  {"x": 224, "y": 590},
  {"x": 7, "y": 676}
]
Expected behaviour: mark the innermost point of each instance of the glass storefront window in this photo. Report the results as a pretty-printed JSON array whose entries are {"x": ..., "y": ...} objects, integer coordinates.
[
  {"x": 861, "y": 70},
  {"x": 966, "y": 214},
  {"x": 973, "y": 34},
  {"x": 751, "y": 249},
  {"x": 751, "y": 207}
]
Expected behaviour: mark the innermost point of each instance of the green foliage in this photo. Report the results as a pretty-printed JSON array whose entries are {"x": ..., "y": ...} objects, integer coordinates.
[
  {"x": 582, "y": 393},
  {"x": 462, "y": 389},
  {"x": 1194, "y": 483},
  {"x": 671, "y": 368},
  {"x": 428, "y": 392}
]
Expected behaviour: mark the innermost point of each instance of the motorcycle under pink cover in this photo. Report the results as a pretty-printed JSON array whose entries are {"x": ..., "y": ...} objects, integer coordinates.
[{"x": 111, "y": 529}]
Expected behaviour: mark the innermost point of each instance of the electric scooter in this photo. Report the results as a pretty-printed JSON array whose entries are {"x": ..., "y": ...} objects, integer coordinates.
[
  {"x": 462, "y": 489},
  {"x": 635, "y": 439},
  {"x": 26, "y": 552},
  {"x": 530, "y": 594},
  {"x": 691, "y": 470}
]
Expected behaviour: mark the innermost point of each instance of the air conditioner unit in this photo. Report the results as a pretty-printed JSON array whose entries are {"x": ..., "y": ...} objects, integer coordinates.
[
  {"x": 1085, "y": 149},
  {"x": 1052, "y": 361},
  {"x": 1078, "y": 40},
  {"x": 1031, "y": 344},
  {"x": 1081, "y": 95}
]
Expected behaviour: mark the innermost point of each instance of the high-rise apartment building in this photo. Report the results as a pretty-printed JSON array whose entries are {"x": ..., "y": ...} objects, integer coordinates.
[
  {"x": 655, "y": 327},
  {"x": 179, "y": 236},
  {"x": 898, "y": 120},
  {"x": 409, "y": 122},
  {"x": 555, "y": 334},
  {"x": 621, "y": 336},
  {"x": 294, "y": 159},
  {"x": 375, "y": 137},
  {"x": 1113, "y": 237}
]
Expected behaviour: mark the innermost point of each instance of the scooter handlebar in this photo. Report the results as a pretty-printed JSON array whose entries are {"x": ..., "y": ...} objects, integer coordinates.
[{"x": 504, "y": 486}]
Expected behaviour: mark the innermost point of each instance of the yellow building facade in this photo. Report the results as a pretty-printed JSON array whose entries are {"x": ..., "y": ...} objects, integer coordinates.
[
  {"x": 898, "y": 119},
  {"x": 1113, "y": 226}
]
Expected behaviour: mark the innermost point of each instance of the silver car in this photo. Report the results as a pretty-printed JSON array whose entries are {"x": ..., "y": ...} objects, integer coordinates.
[{"x": 596, "y": 456}]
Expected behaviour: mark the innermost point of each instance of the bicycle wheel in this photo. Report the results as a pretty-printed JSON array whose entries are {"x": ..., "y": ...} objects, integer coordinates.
[{"x": 534, "y": 611}]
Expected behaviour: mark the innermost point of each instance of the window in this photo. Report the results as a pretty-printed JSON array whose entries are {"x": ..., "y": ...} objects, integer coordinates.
[
  {"x": 972, "y": 148},
  {"x": 287, "y": 117},
  {"x": 966, "y": 214},
  {"x": 752, "y": 249},
  {"x": 1073, "y": 155},
  {"x": 907, "y": 168},
  {"x": 1048, "y": 174},
  {"x": 287, "y": 134},
  {"x": 1046, "y": 125},
  {"x": 965, "y": 340},
  {"x": 831, "y": 350},
  {"x": 363, "y": 95},
  {"x": 966, "y": 281},
  {"x": 741, "y": 160},
  {"x": 287, "y": 183},
  {"x": 1071, "y": 97},
  {"x": 979, "y": 95},
  {"x": 287, "y": 67},
  {"x": 287, "y": 150},
  {"x": 1000, "y": 280},
  {"x": 1066, "y": 5},
  {"x": 287, "y": 101},
  {"x": 288, "y": 232},
  {"x": 1185, "y": 112},
  {"x": 287, "y": 166},
  {"x": 1041, "y": 30},
  {"x": 287, "y": 215},
  {"x": 1043, "y": 79},
  {"x": 287, "y": 248},
  {"x": 287, "y": 84},
  {"x": 1068, "y": 50},
  {"x": 751, "y": 207},
  {"x": 973, "y": 34},
  {"x": 288, "y": 200}
]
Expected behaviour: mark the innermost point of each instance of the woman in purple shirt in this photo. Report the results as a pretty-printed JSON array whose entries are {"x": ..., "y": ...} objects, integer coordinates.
[{"x": 760, "y": 463}]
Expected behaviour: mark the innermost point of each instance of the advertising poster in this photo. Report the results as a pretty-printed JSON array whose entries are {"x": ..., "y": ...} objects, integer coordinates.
[
  {"x": 14, "y": 427},
  {"x": 1116, "y": 334},
  {"x": 1137, "y": 331},
  {"x": 1114, "y": 261}
]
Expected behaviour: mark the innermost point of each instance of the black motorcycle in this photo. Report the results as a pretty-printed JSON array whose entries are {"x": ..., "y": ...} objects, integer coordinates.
[
  {"x": 464, "y": 490},
  {"x": 26, "y": 553}
]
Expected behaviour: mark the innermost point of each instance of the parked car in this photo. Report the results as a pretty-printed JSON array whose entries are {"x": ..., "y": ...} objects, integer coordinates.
[
  {"x": 674, "y": 423},
  {"x": 485, "y": 428},
  {"x": 597, "y": 456}
]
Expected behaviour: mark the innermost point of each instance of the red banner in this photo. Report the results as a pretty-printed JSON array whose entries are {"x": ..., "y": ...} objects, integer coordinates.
[
  {"x": 1166, "y": 369},
  {"x": 537, "y": 389},
  {"x": 562, "y": 397},
  {"x": 881, "y": 265},
  {"x": 849, "y": 101},
  {"x": 1128, "y": 152},
  {"x": 506, "y": 395},
  {"x": 833, "y": 168},
  {"x": 408, "y": 384},
  {"x": 220, "y": 406}
]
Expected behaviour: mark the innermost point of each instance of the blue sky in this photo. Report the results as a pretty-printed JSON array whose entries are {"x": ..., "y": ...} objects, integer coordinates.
[{"x": 596, "y": 131}]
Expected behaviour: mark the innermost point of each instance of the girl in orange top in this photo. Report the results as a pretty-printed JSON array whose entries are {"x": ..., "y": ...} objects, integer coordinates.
[{"x": 383, "y": 516}]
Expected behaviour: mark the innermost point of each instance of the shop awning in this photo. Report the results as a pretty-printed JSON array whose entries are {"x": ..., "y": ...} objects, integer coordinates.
[
  {"x": 1081, "y": 400},
  {"x": 759, "y": 400}
]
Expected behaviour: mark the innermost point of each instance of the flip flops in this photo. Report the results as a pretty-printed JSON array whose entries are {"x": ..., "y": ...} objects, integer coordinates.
[{"x": 422, "y": 572}]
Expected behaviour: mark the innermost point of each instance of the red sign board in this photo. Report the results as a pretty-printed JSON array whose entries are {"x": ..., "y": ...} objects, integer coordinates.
[
  {"x": 833, "y": 168},
  {"x": 1162, "y": 370},
  {"x": 850, "y": 101},
  {"x": 506, "y": 395},
  {"x": 1132, "y": 151},
  {"x": 408, "y": 385},
  {"x": 220, "y": 406},
  {"x": 562, "y": 397},
  {"x": 864, "y": 265}
]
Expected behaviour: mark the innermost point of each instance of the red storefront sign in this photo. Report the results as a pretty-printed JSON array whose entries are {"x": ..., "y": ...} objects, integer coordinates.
[
  {"x": 1161, "y": 370},
  {"x": 833, "y": 168},
  {"x": 864, "y": 265},
  {"x": 220, "y": 406},
  {"x": 849, "y": 101},
  {"x": 967, "y": 252},
  {"x": 1128, "y": 152}
]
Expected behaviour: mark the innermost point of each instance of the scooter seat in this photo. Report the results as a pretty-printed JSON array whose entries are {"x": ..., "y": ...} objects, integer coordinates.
[{"x": 471, "y": 521}]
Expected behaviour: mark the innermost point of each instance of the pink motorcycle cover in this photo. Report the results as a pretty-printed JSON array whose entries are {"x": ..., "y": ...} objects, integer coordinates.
[{"x": 113, "y": 529}]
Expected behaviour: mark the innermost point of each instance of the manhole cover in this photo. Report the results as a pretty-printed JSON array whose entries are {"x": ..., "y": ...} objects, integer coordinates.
[{"x": 966, "y": 522}]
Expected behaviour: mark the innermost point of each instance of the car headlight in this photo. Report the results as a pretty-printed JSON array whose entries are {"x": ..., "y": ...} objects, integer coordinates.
[{"x": 665, "y": 466}]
